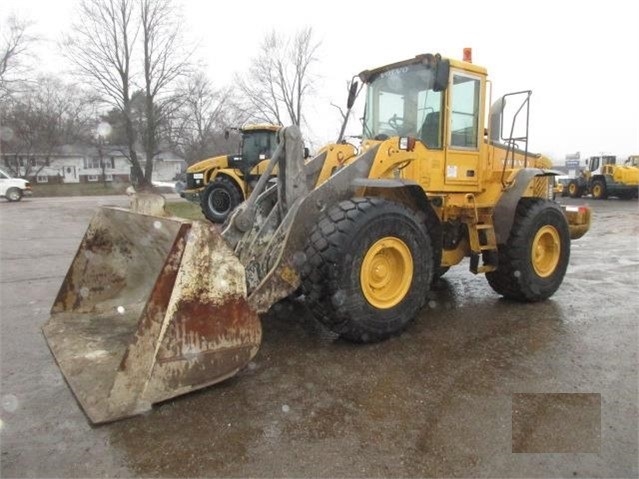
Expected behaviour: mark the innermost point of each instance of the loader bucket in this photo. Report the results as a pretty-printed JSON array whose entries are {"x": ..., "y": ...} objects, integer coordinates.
[{"x": 150, "y": 308}]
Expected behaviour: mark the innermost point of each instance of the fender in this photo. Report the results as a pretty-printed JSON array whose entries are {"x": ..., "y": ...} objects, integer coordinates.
[
  {"x": 504, "y": 213},
  {"x": 229, "y": 173},
  {"x": 413, "y": 195}
]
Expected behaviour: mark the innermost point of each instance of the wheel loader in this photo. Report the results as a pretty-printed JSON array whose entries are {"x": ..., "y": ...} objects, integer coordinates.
[
  {"x": 221, "y": 183},
  {"x": 153, "y": 306},
  {"x": 603, "y": 178}
]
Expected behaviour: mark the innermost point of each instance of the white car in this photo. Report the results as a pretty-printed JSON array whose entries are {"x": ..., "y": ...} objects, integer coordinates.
[{"x": 13, "y": 189}]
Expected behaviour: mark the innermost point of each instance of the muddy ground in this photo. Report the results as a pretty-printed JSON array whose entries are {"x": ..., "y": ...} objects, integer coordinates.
[{"x": 477, "y": 386}]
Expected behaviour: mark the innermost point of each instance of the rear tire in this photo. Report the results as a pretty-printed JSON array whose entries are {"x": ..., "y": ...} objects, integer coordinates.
[
  {"x": 441, "y": 271},
  {"x": 220, "y": 198},
  {"x": 599, "y": 190},
  {"x": 369, "y": 267},
  {"x": 533, "y": 263},
  {"x": 14, "y": 194}
]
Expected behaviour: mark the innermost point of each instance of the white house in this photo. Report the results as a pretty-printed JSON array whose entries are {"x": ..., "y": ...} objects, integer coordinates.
[{"x": 87, "y": 164}]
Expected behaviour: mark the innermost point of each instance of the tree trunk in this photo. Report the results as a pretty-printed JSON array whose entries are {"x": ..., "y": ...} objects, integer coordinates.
[
  {"x": 150, "y": 136},
  {"x": 138, "y": 175}
]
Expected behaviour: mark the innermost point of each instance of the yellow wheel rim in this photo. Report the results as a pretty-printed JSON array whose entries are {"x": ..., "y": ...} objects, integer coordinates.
[
  {"x": 596, "y": 191},
  {"x": 387, "y": 272},
  {"x": 572, "y": 189},
  {"x": 546, "y": 250}
]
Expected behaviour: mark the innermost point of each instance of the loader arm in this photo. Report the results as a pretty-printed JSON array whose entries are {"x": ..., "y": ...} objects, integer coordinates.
[{"x": 272, "y": 250}]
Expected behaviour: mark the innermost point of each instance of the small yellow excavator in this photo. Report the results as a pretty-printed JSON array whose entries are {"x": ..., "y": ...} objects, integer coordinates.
[{"x": 153, "y": 306}]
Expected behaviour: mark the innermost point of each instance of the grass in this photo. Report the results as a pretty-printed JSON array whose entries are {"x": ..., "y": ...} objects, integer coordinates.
[
  {"x": 79, "y": 189},
  {"x": 185, "y": 209}
]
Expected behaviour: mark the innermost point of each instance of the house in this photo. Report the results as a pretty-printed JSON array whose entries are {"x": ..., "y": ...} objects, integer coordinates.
[
  {"x": 167, "y": 166},
  {"x": 88, "y": 164}
]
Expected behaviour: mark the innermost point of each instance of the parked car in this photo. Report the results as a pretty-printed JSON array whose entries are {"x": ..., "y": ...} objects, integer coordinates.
[{"x": 13, "y": 189}]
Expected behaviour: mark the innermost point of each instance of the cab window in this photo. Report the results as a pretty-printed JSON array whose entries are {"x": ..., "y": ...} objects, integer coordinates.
[{"x": 464, "y": 112}]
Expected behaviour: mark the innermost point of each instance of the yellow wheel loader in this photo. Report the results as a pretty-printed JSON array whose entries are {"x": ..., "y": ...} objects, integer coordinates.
[
  {"x": 154, "y": 307},
  {"x": 603, "y": 178},
  {"x": 221, "y": 183}
]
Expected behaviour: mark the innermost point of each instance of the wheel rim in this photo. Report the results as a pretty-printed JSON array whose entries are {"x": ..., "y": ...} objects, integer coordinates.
[
  {"x": 596, "y": 191},
  {"x": 387, "y": 272},
  {"x": 546, "y": 251},
  {"x": 220, "y": 202},
  {"x": 14, "y": 195},
  {"x": 572, "y": 189}
]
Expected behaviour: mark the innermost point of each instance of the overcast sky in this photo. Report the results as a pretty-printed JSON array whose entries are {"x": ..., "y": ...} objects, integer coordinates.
[{"x": 581, "y": 59}]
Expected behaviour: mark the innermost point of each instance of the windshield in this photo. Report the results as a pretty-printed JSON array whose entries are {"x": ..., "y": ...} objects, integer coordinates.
[
  {"x": 402, "y": 102},
  {"x": 256, "y": 143},
  {"x": 3, "y": 174}
]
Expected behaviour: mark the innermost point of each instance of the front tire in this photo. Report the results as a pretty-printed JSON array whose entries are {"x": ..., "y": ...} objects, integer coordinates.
[
  {"x": 574, "y": 190},
  {"x": 14, "y": 194},
  {"x": 369, "y": 267},
  {"x": 533, "y": 262},
  {"x": 220, "y": 198}
]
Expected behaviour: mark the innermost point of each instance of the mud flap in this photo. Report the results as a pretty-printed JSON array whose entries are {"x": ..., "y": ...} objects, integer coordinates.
[{"x": 150, "y": 308}]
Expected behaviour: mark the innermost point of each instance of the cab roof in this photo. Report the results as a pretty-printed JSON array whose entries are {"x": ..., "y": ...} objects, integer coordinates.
[
  {"x": 425, "y": 58},
  {"x": 261, "y": 127}
]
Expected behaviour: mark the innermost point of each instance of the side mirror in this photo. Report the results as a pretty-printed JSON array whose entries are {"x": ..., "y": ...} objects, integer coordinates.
[
  {"x": 352, "y": 94},
  {"x": 441, "y": 75},
  {"x": 307, "y": 152}
]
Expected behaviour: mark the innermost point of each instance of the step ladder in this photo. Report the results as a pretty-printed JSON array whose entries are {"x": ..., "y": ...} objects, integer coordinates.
[{"x": 482, "y": 239}]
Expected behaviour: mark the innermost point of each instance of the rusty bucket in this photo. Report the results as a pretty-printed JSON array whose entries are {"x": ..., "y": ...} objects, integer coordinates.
[{"x": 150, "y": 308}]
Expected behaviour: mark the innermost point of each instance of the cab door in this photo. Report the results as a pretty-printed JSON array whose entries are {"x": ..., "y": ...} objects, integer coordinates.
[{"x": 464, "y": 100}]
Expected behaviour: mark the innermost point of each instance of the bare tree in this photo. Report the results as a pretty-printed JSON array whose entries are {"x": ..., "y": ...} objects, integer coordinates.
[
  {"x": 204, "y": 113},
  {"x": 13, "y": 49},
  {"x": 281, "y": 78},
  {"x": 48, "y": 115},
  {"x": 101, "y": 47},
  {"x": 165, "y": 61}
]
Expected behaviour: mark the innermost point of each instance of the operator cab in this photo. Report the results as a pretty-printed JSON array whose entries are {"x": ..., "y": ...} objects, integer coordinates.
[
  {"x": 258, "y": 143},
  {"x": 439, "y": 103},
  {"x": 596, "y": 163},
  {"x": 407, "y": 99},
  {"x": 632, "y": 160}
]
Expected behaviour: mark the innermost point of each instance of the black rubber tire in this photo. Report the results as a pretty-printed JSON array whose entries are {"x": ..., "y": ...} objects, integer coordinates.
[
  {"x": 13, "y": 194},
  {"x": 574, "y": 190},
  {"x": 220, "y": 198},
  {"x": 334, "y": 255},
  {"x": 441, "y": 271},
  {"x": 515, "y": 277},
  {"x": 599, "y": 185}
]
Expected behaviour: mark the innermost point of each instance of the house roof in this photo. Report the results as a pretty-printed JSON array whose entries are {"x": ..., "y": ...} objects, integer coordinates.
[{"x": 83, "y": 150}]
